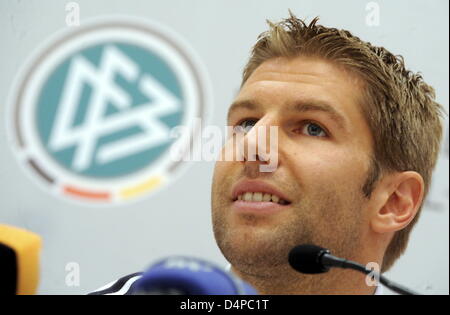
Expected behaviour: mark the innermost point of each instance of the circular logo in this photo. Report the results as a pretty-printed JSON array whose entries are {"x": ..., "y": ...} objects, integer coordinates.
[{"x": 92, "y": 112}]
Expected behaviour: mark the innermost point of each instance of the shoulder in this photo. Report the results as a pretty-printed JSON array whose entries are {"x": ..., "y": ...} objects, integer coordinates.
[{"x": 119, "y": 287}]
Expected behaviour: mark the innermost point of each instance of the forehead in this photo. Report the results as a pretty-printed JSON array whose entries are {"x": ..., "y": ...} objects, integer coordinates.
[{"x": 305, "y": 77}]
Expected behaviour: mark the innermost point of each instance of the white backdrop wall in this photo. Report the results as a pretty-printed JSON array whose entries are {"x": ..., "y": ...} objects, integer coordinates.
[{"x": 109, "y": 242}]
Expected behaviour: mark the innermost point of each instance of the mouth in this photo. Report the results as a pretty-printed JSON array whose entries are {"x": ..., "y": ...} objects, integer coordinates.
[
  {"x": 261, "y": 197},
  {"x": 258, "y": 197}
]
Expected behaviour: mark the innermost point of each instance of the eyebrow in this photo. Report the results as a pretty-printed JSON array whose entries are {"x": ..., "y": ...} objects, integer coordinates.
[{"x": 299, "y": 106}]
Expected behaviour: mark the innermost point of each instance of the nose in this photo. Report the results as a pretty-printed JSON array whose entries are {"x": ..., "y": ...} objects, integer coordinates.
[{"x": 260, "y": 145}]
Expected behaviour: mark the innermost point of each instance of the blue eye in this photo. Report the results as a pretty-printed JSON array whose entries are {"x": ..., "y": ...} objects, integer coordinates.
[
  {"x": 314, "y": 130},
  {"x": 247, "y": 124}
]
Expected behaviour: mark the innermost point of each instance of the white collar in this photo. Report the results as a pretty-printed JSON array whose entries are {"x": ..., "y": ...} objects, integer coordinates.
[{"x": 379, "y": 290}]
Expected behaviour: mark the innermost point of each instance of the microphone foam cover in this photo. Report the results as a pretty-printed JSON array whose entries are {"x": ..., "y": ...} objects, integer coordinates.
[
  {"x": 179, "y": 275},
  {"x": 19, "y": 256},
  {"x": 306, "y": 259}
]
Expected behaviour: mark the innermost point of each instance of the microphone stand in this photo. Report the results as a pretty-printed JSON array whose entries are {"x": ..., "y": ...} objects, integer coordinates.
[{"x": 332, "y": 261}]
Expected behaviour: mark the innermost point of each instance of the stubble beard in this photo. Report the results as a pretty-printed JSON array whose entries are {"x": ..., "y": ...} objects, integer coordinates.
[{"x": 259, "y": 251}]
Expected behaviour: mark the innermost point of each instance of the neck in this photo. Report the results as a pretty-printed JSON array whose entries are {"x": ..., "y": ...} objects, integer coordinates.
[{"x": 284, "y": 280}]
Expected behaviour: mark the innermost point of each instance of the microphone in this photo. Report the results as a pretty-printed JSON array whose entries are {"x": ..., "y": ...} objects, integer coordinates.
[
  {"x": 312, "y": 259},
  {"x": 180, "y": 275},
  {"x": 19, "y": 261}
]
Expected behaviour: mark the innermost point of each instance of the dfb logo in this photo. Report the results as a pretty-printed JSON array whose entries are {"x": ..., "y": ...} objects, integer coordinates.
[{"x": 91, "y": 113}]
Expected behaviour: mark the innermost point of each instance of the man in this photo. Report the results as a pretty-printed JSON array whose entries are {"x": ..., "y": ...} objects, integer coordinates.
[{"x": 358, "y": 138}]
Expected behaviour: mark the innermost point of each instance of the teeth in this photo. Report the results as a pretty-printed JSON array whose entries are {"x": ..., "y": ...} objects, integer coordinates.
[
  {"x": 259, "y": 196},
  {"x": 248, "y": 196}
]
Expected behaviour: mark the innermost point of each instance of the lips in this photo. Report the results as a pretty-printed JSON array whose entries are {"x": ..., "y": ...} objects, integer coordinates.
[
  {"x": 259, "y": 197},
  {"x": 255, "y": 186}
]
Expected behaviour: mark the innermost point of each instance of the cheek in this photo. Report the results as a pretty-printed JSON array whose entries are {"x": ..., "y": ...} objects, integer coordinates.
[
  {"x": 218, "y": 176},
  {"x": 325, "y": 169},
  {"x": 222, "y": 179},
  {"x": 225, "y": 158}
]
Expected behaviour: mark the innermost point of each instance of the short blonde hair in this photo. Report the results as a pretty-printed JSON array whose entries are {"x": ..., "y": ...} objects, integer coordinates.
[{"x": 400, "y": 108}]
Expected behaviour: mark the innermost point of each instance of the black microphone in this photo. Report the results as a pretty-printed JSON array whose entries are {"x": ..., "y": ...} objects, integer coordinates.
[{"x": 312, "y": 259}]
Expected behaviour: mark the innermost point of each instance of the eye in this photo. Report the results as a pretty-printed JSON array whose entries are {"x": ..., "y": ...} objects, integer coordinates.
[
  {"x": 246, "y": 124},
  {"x": 314, "y": 130}
]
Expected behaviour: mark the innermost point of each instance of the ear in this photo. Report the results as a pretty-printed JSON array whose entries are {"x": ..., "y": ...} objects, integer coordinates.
[{"x": 399, "y": 197}]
